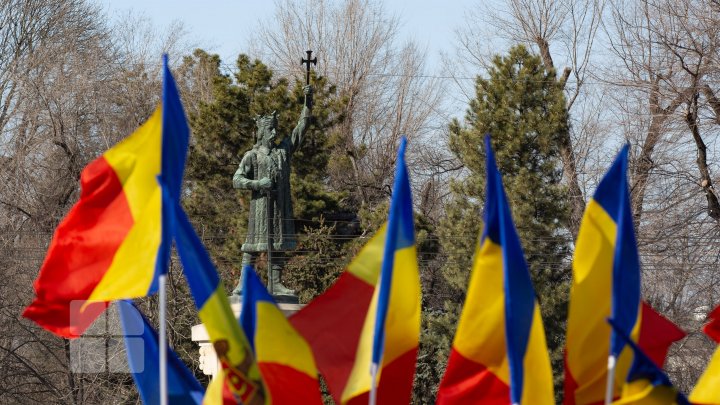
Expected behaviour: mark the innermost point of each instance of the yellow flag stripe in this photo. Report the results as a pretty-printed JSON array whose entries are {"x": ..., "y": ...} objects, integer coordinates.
[{"x": 137, "y": 162}]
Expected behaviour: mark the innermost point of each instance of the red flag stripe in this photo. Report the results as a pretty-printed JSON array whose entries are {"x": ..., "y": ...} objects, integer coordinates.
[
  {"x": 395, "y": 386},
  {"x": 333, "y": 334},
  {"x": 287, "y": 384},
  {"x": 712, "y": 328},
  {"x": 471, "y": 382}
]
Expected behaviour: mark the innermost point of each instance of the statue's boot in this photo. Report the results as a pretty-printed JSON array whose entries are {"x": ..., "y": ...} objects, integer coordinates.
[
  {"x": 247, "y": 259},
  {"x": 278, "y": 287}
]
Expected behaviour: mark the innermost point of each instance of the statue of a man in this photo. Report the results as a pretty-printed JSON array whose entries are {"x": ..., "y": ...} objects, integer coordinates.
[{"x": 265, "y": 169}]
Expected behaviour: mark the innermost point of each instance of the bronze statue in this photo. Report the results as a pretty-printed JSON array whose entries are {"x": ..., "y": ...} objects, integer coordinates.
[{"x": 265, "y": 170}]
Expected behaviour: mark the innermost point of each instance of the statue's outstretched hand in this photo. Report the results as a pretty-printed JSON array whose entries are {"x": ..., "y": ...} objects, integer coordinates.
[{"x": 264, "y": 184}]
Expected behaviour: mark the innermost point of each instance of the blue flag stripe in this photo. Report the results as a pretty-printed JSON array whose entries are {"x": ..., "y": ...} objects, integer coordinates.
[
  {"x": 400, "y": 235},
  {"x": 626, "y": 264},
  {"x": 175, "y": 134},
  {"x": 643, "y": 368},
  {"x": 606, "y": 193},
  {"x": 253, "y": 292},
  {"x": 175, "y": 139},
  {"x": 199, "y": 270},
  {"x": 519, "y": 292},
  {"x": 141, "y": 343}
]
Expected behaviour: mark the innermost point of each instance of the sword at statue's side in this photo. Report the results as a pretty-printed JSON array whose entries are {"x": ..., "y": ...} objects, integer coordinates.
[
  {"x": 307, "y": 62},
  {"x": 270, "y": 240}
]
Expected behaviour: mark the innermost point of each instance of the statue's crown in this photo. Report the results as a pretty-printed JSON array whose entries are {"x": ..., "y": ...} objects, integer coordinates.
[{"x": 267, "y": 120}]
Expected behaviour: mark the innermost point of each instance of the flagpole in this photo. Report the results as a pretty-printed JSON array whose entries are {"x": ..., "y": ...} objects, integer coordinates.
[
  {"x": 372, "y": 398},
  {"x": 610, "y": 385},
  {"x": 163, "y": 342}
]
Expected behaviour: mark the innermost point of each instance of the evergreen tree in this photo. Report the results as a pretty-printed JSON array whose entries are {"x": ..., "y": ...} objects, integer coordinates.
[{"x": 522, "y": 107}]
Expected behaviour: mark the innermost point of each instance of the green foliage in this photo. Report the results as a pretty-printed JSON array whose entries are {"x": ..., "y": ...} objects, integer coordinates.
[
  {"x": 324, "y": 253},
  {"x": 438, "y": 329},
  {"x": 523, "y": 108},
  {"x": 325, "y": 250}
]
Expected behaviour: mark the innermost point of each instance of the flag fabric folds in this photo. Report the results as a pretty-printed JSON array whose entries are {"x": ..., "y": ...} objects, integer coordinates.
[
  {"x": 606, "y": 282},
  {"x": 239, "y": 380},
  {"x": 112, "y": 244},
  {"x": 499, "y": 353},
  {"x": 283, "y": 356},
  {"x": 597, "y": 270},
  {"x": 332, "y": 322},
  {"x": 646, "y": 383},
  {"x": 340, "y": 325},
  {"x": 707, "y": 389},
  {"x": 141, "y": 344}
]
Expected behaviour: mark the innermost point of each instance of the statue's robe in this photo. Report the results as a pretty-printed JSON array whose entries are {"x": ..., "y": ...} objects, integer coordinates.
[{"x": 274, "y": 164}]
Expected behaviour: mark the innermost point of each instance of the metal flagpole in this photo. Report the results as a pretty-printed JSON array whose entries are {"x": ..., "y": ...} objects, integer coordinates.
[
  {"x": 372, "y": 398},
  {"x": 163, "y": 341},
  {"x": 610, "y": 385}
]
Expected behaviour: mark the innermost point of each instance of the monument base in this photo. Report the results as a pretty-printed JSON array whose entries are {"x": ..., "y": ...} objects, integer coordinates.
[
  {"x": 209, "y": 363},
  {"x": 286, "y": 299}
]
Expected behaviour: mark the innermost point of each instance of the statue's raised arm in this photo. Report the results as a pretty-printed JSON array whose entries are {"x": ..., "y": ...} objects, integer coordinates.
[{"x": 305, "y": 119}]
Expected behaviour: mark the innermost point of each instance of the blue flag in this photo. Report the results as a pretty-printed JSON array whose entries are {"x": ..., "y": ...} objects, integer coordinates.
[{"x": 141, "y": 343}]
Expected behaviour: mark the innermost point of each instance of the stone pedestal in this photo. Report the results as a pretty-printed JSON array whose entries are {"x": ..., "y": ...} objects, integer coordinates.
[{"x": 209, "y": 363}]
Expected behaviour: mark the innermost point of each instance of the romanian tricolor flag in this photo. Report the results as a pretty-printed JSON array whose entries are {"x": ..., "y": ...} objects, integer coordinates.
[
  {"x": 606, "y": 282},
  {"x": 239, "y": 380},
  {"x": 707, "y": 389},
  {"x": 646, "y": 383},
  {"x": 394, "y": 313},
  {"x": 499, "y": 354},
  {"x": 113, "y": 243},
  {"x": 285, "y": 359},
  {"x": 340, "y": 324}
]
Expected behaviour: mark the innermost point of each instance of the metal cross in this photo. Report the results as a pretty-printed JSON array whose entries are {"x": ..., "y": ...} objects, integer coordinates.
[{"x": 307, "y": 63}]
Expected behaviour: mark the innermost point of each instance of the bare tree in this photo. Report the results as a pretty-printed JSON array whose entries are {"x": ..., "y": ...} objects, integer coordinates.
[
  {"x": 668, "y": 49},
  {"x": 666, "y": 53},
  {"x": 68, "y": 92},
  {"x": 384, "y": 88}
]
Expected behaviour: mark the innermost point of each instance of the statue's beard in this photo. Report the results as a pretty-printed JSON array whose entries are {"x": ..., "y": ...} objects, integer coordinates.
[
  {"x": 270, "y": 138},
  {"x": 273, "y": 139}
]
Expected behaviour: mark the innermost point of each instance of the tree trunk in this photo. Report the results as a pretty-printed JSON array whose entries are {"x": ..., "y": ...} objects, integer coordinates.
[
  {"x": 713, "y": 208},
  {"x": 567, "y": 153},
  {"x": 576, "y": 198},
  {"x": 644, "y": 163}
]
